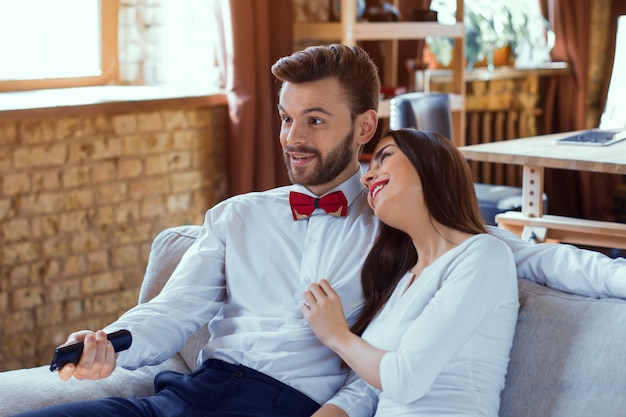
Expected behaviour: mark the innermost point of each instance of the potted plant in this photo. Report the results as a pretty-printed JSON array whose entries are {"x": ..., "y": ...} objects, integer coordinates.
[{"x": 512, "y": 26}]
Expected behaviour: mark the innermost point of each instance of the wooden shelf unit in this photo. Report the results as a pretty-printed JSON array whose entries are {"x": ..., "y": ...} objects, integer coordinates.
[
  {"x": 349, "y": 32},
  {"x": 375, "y": 31}
]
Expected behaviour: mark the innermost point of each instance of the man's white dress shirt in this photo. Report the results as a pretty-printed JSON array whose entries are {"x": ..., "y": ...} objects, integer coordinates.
[
  {"x": 567, "y": 268},
  {"x": 246, "y": 275}
]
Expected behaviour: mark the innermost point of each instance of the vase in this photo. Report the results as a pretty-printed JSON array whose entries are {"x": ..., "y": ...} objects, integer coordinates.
[{"x": 501, "y": 57}]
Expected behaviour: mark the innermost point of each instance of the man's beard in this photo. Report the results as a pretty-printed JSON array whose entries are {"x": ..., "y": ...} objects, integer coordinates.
[{"x": 327, "y": 168}]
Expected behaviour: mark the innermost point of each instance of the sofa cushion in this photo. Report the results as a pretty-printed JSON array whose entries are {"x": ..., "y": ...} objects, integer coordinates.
[{"x": 568, "y": 356}]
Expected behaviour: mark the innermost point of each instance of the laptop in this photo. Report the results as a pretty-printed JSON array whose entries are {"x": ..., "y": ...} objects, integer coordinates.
[{"x": 594, "y": 137}]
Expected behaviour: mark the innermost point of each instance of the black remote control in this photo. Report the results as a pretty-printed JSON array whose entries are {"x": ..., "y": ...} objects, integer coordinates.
[{"x": 121, "y": 340}]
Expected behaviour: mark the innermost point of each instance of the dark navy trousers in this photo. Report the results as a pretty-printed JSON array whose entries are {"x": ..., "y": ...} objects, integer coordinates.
[{"x": 215, "y": 389}]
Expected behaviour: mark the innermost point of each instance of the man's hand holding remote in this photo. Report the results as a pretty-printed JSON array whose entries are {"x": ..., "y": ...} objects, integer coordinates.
[{"x": 98, "y": 359}]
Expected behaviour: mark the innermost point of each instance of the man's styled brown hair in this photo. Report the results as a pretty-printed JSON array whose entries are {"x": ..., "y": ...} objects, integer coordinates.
[{"x": 351, "y": 65}]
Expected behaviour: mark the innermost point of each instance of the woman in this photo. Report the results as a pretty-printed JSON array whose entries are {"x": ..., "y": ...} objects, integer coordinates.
[{"x": 440, "y": 293}]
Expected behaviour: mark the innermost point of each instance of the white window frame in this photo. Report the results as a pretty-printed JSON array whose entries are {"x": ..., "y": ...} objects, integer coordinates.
[{"x": 109, "y": 58}]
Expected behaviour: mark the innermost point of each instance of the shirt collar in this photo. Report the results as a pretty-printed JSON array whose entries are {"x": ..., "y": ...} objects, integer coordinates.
[{"x": 351, "y": 188}]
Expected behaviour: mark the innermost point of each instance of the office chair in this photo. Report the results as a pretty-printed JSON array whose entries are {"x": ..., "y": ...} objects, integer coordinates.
[{"x": 431, "y": 111}]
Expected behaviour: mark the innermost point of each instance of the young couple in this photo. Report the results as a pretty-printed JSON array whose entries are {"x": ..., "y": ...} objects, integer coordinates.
[{"x": 345, "y": 294}]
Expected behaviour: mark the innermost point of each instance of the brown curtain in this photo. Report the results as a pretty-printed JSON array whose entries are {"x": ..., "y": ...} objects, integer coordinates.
[
  {"x": 570, "y": 193},
  {"x": 260, "y": 33}
]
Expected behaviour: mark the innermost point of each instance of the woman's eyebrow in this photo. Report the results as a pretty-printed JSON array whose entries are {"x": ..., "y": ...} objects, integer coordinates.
[{"x": 378, "y": 153}]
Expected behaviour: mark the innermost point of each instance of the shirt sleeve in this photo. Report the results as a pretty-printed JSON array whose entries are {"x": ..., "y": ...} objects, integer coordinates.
[
  {"x": 566, "y": 267},
  {"x": 190, "y": 299},
  {"x": 356, "y": 397},
  {"x": 472, "y": 289}
]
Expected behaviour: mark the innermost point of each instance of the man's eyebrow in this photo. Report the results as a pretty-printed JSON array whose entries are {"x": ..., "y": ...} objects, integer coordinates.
[
  {"x": 317, "y": 109},
  {"x": 309, "y": 110}
]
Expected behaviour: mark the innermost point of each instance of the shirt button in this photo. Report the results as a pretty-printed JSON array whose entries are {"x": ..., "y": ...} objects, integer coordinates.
[
  {"x": 312, "y": 240},
  {"x": 307, "y": 280}
]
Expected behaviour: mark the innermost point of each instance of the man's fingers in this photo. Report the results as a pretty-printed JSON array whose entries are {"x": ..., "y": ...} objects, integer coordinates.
[
  {"x": 77, "y": 337},
  {"x": 85, "y": 364},
  {"x": 101, "y": 346},
  {"x": 98, "y": 359},
  {"x": 67, "y": 371},
  {"x": 110, "y": 358}
]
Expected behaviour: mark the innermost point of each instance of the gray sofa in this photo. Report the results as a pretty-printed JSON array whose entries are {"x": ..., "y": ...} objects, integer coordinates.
[{"x": 568, "y": 357}]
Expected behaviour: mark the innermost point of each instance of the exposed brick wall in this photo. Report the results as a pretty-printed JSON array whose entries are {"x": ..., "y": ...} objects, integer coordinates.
[{"x": 81, "y": 199}]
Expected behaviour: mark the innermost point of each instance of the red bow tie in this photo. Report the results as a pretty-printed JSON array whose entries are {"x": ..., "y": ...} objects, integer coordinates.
[{"x": 302, "y": 205}]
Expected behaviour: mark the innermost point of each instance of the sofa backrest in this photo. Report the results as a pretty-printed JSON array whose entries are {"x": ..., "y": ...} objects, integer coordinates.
[{"x": 568, "y": 357}]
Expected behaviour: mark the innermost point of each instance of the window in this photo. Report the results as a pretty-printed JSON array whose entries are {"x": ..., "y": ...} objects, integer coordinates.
[
  {"x": 61, "y": 43},
  {"x": 614, "y": 115},
  {"x": 73, "y": 43}
]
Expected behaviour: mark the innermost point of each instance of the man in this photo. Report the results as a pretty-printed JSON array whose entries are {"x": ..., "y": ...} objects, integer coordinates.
[{"x": 254, "y": 258}]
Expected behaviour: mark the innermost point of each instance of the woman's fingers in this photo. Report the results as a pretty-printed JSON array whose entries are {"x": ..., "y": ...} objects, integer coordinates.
[
  {"x": 326, "y": 288},
  {"x": 314, "y": 294}
]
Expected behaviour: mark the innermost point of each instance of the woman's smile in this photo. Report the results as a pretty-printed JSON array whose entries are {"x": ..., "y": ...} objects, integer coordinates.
[{"x": 376, "y": 188}]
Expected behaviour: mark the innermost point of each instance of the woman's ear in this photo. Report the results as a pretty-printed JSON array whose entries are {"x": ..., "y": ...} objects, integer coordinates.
[{"x": 366, "y": 124}]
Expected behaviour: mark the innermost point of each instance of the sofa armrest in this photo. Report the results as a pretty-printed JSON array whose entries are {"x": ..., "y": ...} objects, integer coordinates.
[
  {"x": 27, "y": 389},
  {"x": 18, "y": 387}
]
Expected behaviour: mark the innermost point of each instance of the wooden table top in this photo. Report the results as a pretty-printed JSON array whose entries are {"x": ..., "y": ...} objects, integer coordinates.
[{"x": 544, "y": 152}]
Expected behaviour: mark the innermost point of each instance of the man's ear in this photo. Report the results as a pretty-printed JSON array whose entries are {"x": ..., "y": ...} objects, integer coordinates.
[{"x": 366, "y": 124}]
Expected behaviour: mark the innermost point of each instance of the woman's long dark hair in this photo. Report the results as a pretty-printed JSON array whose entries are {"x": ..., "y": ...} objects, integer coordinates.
[{"x": 450, "y": 198}]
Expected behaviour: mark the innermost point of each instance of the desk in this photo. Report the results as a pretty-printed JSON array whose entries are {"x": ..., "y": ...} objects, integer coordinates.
[{"x": 539, "y": 152}]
